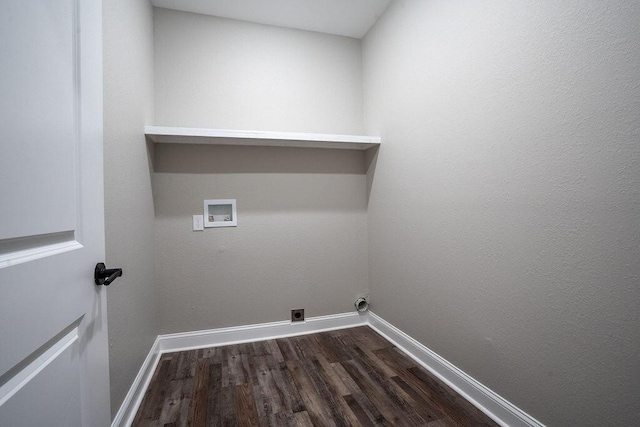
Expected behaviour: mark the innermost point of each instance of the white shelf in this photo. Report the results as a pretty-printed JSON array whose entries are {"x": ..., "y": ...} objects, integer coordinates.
[{"x": 177, "y": 135}]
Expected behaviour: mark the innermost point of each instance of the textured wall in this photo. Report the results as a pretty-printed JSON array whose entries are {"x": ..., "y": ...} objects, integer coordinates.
[
  {"x": 301, "y": 236},
  {"x": 300, "y": 241},
  {"x": 214, "y": 72},
  {"x": 504, "y": 213},
  {"x": 129, "y": 216}
]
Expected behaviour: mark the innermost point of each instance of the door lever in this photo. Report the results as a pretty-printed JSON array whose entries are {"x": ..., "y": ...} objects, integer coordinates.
[{"x": 104, "y": 275}]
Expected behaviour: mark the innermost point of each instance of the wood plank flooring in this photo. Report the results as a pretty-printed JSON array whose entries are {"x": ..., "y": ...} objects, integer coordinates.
[{"x": 349, "y": 377}]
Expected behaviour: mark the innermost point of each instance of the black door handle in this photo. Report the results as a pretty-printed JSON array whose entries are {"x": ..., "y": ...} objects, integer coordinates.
[{"x": 104, "y": 275}]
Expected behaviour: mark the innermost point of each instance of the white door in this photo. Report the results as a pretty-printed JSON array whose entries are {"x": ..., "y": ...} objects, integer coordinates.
[{"x": 53, "y": 331}]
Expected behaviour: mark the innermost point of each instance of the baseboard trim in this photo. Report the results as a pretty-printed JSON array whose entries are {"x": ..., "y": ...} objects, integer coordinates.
[
  {"x": 258, "y": 332},
  {"x": 493, "y": 405},
  {"x": 133, "y": 399}
]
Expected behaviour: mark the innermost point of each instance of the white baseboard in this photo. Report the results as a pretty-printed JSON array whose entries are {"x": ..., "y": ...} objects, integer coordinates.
[
  {"x": 495, "y": 406},
  {"x": 133, "y": 399},
  {"x": 263, "y": 331}
]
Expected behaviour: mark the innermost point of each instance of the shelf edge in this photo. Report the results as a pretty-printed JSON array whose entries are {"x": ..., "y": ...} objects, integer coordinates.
[{"x": 162, "y": 134}]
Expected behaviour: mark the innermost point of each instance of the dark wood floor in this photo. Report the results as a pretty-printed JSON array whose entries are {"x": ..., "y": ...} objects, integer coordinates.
[{"x": 345, "y": 377}]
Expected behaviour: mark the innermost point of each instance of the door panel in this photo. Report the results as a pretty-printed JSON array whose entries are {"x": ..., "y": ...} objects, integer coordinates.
[
  {"x": 39, "y": 129},
  {"x": 43, "y": 375},
  {"x": 53, "y": 332}
]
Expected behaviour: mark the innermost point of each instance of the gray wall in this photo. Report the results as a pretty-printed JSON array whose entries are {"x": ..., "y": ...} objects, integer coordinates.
[
  {"x": 222, "y": 73},
  {"x": 129, "y": 216},
  {"x": 301, "y": 236},
  {"x": 504, "y": 214}
]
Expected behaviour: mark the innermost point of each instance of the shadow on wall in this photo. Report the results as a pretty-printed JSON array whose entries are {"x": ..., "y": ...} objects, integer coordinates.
[
  {"x": 224, "y": 159},
  {"x": 370, "y": 161}
]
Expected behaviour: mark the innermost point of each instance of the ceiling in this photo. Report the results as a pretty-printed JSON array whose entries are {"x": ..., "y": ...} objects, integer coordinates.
[{"x": 351, "y": 18}]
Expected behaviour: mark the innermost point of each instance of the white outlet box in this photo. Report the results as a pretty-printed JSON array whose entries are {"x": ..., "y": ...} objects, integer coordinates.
[{"x": 198, "y": 223}]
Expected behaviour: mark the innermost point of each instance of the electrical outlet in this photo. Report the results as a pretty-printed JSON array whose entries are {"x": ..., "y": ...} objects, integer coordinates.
[
  {"x": 198, "y": 223},
  {"x": 297, "y": 315}
]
